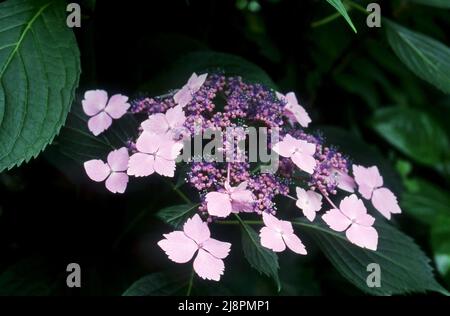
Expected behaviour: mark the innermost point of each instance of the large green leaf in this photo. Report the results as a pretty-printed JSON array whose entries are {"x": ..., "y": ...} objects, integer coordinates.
[
  {"x": 425, "y": 201},
  {"x": 260, "y": 258},
  {"x": 39, "y": 71},
  {"x": 440, "y": 241},
  {"x": 404, "y": 267},
  {"x": 426, "y": 57},
  {"x": 434, "y": 3},
  {"x": 158, "y": 284},
  {"x": 339, "y": 6},
  {"x": 177, "y": 215},
  {"x": 414, "y": 133}
]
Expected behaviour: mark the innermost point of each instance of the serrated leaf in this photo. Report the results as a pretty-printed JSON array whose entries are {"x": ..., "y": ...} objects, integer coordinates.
[
  {"x": 414, "y": 133},
  {"x": 39, "y": 71},
  {"x": 262, "y": 259},
  {"x": 404, "y": 267},
  {"x": 427, "y": 58},
  {"x": 159, "y": 284},
  {"x": 339, "y": 6},
  {"x": 177, "y": 215}
]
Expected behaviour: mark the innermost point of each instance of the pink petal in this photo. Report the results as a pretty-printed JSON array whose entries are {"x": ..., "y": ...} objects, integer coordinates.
[
  {"x": 299, "y": 113},
  {"x": 364, "y": 237},
  {"x": 164, "y": 167},
  {"x": 306, "y": 148},
  {"x": 117, "y": 182},
  {"x": 271, "y": 239},
  {"x": 196, "y": 82},
  {"x": 286, "y": 227},
  {"x": 286, "y": 147},
  {"x": 118, "y": 159},
  {"x": 336, "y": 220},
  {"x": 97, "y": 170},
  {"x": 218, "y": 249},
  {"x": 345, "y": 182},
  {"x": 385, "y": 202},
  {"x": 305, "y": 162},
  {"x": 352, "y": 207},
  {"x": 175, "y": 116},
  {"x": 117, "y": 106},
  {"x": 99, "y": 123},
  {"x": 169, "y": 149},
  {"x": 291, "y": 98},
  {"x": 178, "y": 247},
  {"x": 207, "y": 266},
  {"x": 272, "y": 222},
  {"x": 148, "y": 143},
  {"x": 183, "y": 96},
  {"x": 141, "y": 165},
  {"x": 196, "y": 229},
  {"x": 367, "y": 179},
  {"x": 156, "y": 124},
  {"x": 242, "y": 196},
  {"x": 309, "y": 202},
  {"x": 294, "y": 243},
  {"x": 218, "y": 204},
  {"x": 94, "y": 102},
  {"x": 365, "y": 220}
]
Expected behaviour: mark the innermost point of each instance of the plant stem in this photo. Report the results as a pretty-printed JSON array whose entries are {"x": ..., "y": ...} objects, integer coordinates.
[
  {"x": 180, "y": 193},
  {"x": 326, "y": 20},
  {"x": 191, "y": 282},
  {"x": 356, "y": 6}
]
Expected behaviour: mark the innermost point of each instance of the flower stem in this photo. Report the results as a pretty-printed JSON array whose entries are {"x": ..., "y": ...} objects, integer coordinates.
[
  {"x": 180, "y": 193},
  {"x": 356, "y": 6},
  {"x": 191, "y": 282},
  {"x": 326, "y": 20},
  {"x": 329, "y": 201}
]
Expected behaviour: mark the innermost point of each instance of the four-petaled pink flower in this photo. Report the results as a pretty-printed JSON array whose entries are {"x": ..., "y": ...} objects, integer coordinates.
[
  {"x": 301, "y": 152},
  {"x": 156, "y": 153},
  {"x": 370, "y": 185},
  {"x": 353, "y": 218},
  {"x": 234, "y": 199},
  {"x": 114, "y": 171},
  {"x": 185, "y": 94},
  {"x": 102, "y": 111},
  {"x": 181, "y": 246},
  {"x": 294, "y": 111},
  {"x": 309, "y": 202},
  {"x": 277, "y": 234},
  {"x": 169, "y": 123}
]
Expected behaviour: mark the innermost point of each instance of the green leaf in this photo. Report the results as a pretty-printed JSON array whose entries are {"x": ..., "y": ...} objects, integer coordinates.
[
  {"x": 445, "y": 4},
  {"x": 260, "y": 258},
  {"x": 177, "y": 215},
  {"x": 414, "y": 133},
  {"x": 404, "y": 267},
  {"x": 159, "y": 284},
  {"x": 339, "y": 6},
  {"x": 425, "y": 201},
  {"x": 39, "y": 71},
  {"x": 426, "y": 57},
  {"x": 440, "y": 241}
]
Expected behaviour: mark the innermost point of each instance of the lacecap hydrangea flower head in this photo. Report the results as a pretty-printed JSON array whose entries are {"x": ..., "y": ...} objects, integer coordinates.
[{"x": 309, "y": 171}]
